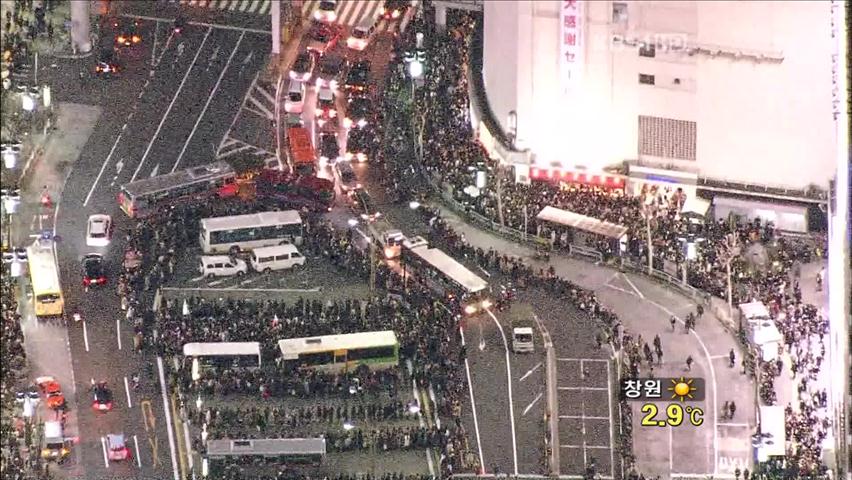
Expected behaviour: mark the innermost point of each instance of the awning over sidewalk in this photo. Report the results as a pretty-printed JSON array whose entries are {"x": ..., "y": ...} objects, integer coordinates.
[
  {"x": 773, "y": 437},
  {"x": 582, "y": 222}
]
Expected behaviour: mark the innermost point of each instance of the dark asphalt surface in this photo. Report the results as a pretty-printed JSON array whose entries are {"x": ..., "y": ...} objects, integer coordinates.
[{"x": 135, "y": 107}]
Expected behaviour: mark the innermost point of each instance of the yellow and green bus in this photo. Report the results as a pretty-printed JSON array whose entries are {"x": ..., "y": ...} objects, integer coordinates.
[{"x": 345, "y": 352}]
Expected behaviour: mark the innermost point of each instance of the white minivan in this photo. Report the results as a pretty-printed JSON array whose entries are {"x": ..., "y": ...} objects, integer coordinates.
[
  {"x": 221, "y": 266},
  {"x": 362, "y": 34},
  {"x": 279, "y": 257},
  {"x": 295, "y": 101}
]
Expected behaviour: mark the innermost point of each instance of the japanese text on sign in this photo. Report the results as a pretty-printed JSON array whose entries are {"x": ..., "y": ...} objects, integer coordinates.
[{"x": 570, "y": 43}]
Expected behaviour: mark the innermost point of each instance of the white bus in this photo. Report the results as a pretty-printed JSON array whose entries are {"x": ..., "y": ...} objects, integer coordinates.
[
  {"x": 445, "y": 276},
  {"x": 222, "y": 355},
  {"x": 343, "y": 352},
  {"x": 245, "y": 232},
  {"x": 48, "y": 301}
]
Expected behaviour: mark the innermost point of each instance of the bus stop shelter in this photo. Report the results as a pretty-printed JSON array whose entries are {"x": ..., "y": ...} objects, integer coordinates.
[{"x": 586, "y": 225}]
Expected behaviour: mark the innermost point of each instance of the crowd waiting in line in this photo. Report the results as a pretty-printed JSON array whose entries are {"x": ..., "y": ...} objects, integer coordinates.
[{"x": 452, "y": 155}]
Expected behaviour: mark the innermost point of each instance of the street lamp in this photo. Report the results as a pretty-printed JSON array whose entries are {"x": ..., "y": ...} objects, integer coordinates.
[
  {"x": 352, "y": 222},
  {"x": 414, "y": 204},
  {"x": 649, "y": 211},
  {"x": 415, "y": 68},
  {"x": 11, "y": 151},
  {"x": 348, "y": 425}
]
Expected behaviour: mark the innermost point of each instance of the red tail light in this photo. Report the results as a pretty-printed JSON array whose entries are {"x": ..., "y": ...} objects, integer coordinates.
[{"x": 87, "y": 281}]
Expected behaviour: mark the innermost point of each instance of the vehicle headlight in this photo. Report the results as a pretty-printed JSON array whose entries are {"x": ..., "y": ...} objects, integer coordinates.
[
  {"x": 486, "y": 304},
  {"x": 470, "y": 309}
]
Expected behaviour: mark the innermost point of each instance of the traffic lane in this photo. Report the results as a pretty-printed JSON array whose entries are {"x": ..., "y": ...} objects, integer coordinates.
[
  {"x": 196, "y": 86},
  {"x": 151, "y": 104},
  {"x": 168, "y": 11},
  {"x": 488, "y": 376},
  {"x": 248, "y": 57},
  {"x": 528, "y": 392}
]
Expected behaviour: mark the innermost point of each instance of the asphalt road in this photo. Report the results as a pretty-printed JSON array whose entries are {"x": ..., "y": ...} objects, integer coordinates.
[{"x": 155, "y": 119}]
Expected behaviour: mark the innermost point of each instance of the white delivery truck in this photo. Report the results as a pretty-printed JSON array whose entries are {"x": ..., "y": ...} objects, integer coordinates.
[
  {"x": 522, "y": 336},
  {"x": 387, "y": 237}
]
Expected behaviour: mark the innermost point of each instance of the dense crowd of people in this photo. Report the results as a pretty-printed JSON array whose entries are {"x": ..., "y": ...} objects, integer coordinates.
[
  {"x": 452, "y": 156},
  {"x": 16, "y": 432}
]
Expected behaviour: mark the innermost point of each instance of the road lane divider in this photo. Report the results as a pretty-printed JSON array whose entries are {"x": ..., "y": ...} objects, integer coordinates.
[
  {"x": 164, "y": 391},
  {"x": 85, "y": 336},
  {"x": 104, "y": 448},
  {"x": 138, "y": 457},
  {"x": 179, "y": 439},
  {"x": 472, "y": 405},
  {"x": 207, "y": 104},
  {"x": 127, "y": 390},
  {"x": 171, "y": 105},
  {"x": 118, "y": 331}
]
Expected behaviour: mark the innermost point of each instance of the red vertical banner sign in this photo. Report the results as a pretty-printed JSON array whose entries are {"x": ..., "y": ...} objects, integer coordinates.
[{"x": 570, "y": 43}]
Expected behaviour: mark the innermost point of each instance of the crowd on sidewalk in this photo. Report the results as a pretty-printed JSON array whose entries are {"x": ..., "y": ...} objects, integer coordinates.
[
  {"x": 452, "y": 156},
  {"x": 15, "y": 431}
]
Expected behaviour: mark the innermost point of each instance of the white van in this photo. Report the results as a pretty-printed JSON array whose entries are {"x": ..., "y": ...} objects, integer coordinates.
[
  {"x": 279, "y": 257},
  {"x": 54, "y": 447},
  {"x": 295, "y": 97},
  {"x": 362, "y": 34},
  {"x": 221, "y": 266}
]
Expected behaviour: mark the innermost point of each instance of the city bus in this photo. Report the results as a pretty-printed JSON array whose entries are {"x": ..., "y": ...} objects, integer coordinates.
[
  {"x": 246, "y": 232},
  {"x": 287, "y": 451},
  {"x": 303, "y": 157},
  {"x": 48, "y": 301},
  {"x": 143, "y": 197},
  {"x": 218, "y": 355},
  {"x": 344, "y": 352},
  {"x": 445, "y": 276}
]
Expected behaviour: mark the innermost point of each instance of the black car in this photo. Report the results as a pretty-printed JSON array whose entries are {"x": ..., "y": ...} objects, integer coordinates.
[
  {"x": 107, "y": 63},
  {"x": 394, "y": 9},
  {"x": 303, "y": 67},
  {"x": 360, "y": 144},
  {"x": 359, "y": 112},
  {"x": 93, "y": 270},
  {"x": 328, "y": 147},
  {"x": 102, "y": 400},
  {"x": 357, "y": 81},
  {"x": 363, "y": 205},
  {"x": 126, "y": 32}
]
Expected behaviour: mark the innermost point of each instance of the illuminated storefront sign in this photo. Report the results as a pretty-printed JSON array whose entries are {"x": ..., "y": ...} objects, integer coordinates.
[{"x": 570, "y": 42}]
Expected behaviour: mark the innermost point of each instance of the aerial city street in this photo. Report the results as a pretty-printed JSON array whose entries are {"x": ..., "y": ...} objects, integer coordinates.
[{"x": 425, "y": 239}]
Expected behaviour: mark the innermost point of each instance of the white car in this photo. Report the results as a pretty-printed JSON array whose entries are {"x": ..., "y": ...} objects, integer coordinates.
[
  {"x": 326, "y": 12},
  {"x": 99, "y": 230}
]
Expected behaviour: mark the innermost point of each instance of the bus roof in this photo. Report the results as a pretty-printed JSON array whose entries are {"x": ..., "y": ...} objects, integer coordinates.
[
  {"x": 221, "y": 348},
  {"x": 451, "y": 268},
  {"x": 43, "y": 269},
  {"x": 291, "y": 348},
  {"x": 204, "y": 173},
  {"x": 251, "y": 220},
  {"x": 265, "y": 446}
]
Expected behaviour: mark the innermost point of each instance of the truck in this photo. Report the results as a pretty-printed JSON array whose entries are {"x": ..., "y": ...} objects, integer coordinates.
[
  {"x": 522, "y": 336},
  {"x": 303, "y": 157},
  {"x": 387, "y": 237}
]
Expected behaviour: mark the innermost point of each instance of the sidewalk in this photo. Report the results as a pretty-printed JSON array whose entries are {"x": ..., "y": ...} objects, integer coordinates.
[
  {"x": 47, "y": 344},
  {"x": 644, "y": 307}
]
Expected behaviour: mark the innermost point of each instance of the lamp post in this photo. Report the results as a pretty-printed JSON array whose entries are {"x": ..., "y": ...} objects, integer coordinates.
[{"x": 649, "y": 211}]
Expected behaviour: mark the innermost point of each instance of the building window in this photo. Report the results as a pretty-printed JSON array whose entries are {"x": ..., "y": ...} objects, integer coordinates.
[
  {"x": 667, "y": 138},
  {"x": 648, "y": 50},
  {"x": 646, "y": 79},
  {"x": 619, "y": 12}
]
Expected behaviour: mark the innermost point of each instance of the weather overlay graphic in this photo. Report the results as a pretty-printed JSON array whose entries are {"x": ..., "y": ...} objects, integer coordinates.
[{"x": 681, "y": 392}]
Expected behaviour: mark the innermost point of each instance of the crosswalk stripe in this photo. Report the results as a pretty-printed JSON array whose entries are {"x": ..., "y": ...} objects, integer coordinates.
[
  {"x": 253, "y": 7},
  {"x": 408, "y": 16},
  {"x": 223, "y": 4},
  {"x": 266, "y": 94},
  {"x": 234, "y": 5}
]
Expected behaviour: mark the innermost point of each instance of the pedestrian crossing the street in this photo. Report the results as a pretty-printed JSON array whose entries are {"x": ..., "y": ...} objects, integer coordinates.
[{"x": 349, "y": 12}]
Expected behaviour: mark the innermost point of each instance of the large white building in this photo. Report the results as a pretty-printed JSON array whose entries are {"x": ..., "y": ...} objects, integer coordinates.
[{"x": 723, "y": 90}]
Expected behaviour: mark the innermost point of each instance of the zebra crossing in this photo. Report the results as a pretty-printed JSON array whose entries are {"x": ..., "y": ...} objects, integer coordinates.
[{"x": 349, "y": 12}]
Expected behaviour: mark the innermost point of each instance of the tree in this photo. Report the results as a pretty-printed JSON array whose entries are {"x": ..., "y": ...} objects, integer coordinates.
[
  {"x": 246, "y": 164},
  {"x": 727, "y": 251}
]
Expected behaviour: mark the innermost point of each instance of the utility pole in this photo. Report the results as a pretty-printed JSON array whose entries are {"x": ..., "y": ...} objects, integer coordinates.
[
  {"x": 81, "y": 38},
  {"x": 727, "y": 251},
  {"x": 372, "y": 266},
  {"x": 648, "y": 211}
]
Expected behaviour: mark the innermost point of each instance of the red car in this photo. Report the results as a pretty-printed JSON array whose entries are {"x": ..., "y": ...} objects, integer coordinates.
[
  {"x": 102, "y": 401},
  {"x": 52, "y": 392}
]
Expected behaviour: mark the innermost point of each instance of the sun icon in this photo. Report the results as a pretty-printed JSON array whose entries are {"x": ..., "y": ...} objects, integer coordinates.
[{"x": 682, "y": 388}]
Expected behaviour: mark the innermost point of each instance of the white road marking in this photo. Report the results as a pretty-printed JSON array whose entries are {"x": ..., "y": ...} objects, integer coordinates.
[
  {"x": 529, "y": 407},
  {"x": 118, "y": 331},
  {"x": 103, "y": 167},
  {"x": 285, "y": 290},
  {"x": 155, "y": 171},
  {"x": 629, "y": 282},
  {"x": 164, "y": 390},
  {"x": 582, "y": 388},
  {"x": 734, "y": 425},
  {"x": 530, "y": 371},
  {"x": 196, "y": 278},
  {"x": 472, "y": 404},
  {"x": 583, "y": 417},
  {"x": 509, "y": 388},
  {"x": 250, "y": 280},
  {"x": 621, "y": 290},
  {"x": 234, "y": 151},
  {"x": 671, "y": 449},
  {"x": 127, "y": 391},
  {"x": 85, "y": 336},
  {"x": 209, "y": 99},
  {"x": 215, "y": 282},
  {"x": 237, "y": 115},
  {"x": 266, "y": 112},
  {"x": 171, "y": 105},
  {"x": 138, "y": 457},
  {"x": 103, "y": 446},
  {"x": 611, "y": 424},
  {"x": 199, "y": 24}
]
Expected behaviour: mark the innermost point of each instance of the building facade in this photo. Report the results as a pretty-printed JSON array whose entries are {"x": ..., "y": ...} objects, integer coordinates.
[{"x": 723, "y": 90}]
